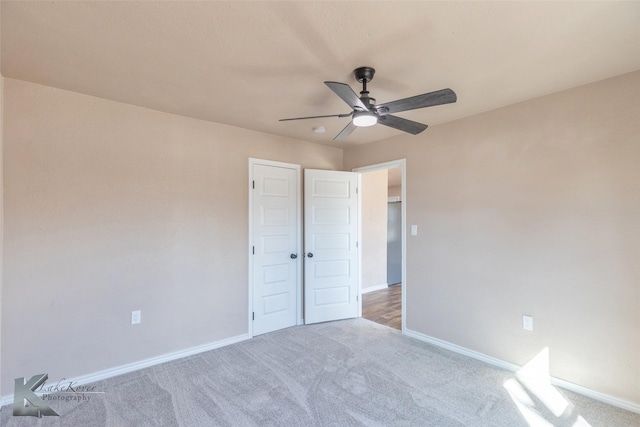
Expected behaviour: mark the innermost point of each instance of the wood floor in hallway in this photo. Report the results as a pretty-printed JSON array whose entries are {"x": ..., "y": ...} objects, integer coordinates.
[{"x": 384, "y": 306}]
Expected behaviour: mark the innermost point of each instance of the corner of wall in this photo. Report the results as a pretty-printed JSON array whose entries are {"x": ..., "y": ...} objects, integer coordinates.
[
  {"x": 1, "y": 208},
  {"x": 1, "y": 193}
]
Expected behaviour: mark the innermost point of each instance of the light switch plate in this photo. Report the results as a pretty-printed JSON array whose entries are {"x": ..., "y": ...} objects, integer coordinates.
[
  {"x": 136, "y": 317},
  {"x": 527, "y": 323}
]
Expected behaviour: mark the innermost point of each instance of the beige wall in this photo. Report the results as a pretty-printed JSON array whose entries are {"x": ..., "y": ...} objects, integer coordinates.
[
  {"x": 374, "y": 228},
  {"x": 395, "y": 191},
  {"x": 111, "y": 208},
  {"x": 530, "y": 209}
]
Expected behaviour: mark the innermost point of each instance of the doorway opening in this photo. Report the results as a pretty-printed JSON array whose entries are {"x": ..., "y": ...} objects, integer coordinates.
[{"x": 382, "y": 231}]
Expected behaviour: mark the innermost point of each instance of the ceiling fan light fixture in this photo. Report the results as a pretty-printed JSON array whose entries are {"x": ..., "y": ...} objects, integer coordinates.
[
  {"x": 364, "y": 118},
  {"x": 365, "y": 112}
]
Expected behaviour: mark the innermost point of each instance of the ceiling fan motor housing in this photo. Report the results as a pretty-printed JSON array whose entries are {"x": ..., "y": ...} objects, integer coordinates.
[{"x": 368, "y": 101}]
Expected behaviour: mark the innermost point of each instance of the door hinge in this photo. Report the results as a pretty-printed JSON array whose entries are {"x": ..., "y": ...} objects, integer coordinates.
[
  {"x": 253, "y": 250},
  {"x": 253, "y": 315},
  {"x": 357, "y": 298},
  {"x": 253, "y": 184}
]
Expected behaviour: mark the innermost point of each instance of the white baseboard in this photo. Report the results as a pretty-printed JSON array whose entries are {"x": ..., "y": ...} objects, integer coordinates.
[
  {"x": 578, "y": 389},
  {"x": 130, "y": 367},
  {"x": 374, "y": 288},
  {"x": 596, "y": 395}
]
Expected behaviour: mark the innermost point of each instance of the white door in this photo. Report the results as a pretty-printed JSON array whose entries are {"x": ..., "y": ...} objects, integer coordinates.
[
  {"x": 274, "y": 247},
  {"x": 331, "y": 282}
]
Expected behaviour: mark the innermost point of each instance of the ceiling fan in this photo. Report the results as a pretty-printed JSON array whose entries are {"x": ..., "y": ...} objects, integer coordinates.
[{"x": 367, "y": 113}]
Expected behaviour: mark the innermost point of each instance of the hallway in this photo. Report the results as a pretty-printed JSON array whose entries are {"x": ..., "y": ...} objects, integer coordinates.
[{"x": 384, "y": 306}]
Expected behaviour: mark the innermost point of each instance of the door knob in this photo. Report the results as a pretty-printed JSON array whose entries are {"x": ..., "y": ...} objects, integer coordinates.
[
  {"x": 293, "y": 256},
  {"x": 310, "y": 255}
]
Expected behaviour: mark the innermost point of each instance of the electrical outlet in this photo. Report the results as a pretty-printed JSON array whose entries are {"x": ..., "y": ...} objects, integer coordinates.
[
  {"x": 527, "y": 322},
  {"x": 136, "y": 317}
]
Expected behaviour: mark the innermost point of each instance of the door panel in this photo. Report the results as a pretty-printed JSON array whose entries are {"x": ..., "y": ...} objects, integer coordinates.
[
  {"x": 330, "y": 245},
  {"x": 274, "y": 237}
]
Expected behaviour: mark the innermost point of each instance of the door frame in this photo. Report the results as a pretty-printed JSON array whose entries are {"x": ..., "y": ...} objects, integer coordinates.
[
  {"x": 254, "y": 161},
  {"x": 402, "y": 164}
]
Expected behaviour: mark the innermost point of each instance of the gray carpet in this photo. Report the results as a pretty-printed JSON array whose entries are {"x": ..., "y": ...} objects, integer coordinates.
[{"x": 346, "y": 373}]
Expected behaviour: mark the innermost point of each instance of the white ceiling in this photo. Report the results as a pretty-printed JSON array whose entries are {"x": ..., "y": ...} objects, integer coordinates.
[{"x": 249, "y": 64}]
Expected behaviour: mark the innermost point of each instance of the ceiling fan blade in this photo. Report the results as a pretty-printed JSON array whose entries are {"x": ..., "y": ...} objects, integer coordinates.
[
  {"x": 439, "y": 97},
  {"x": 347, "y": 94},
  {"x": 316, "y": 117},
  {"x": 404, "y": 125},
  {"x": 345, "y": 132}
]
